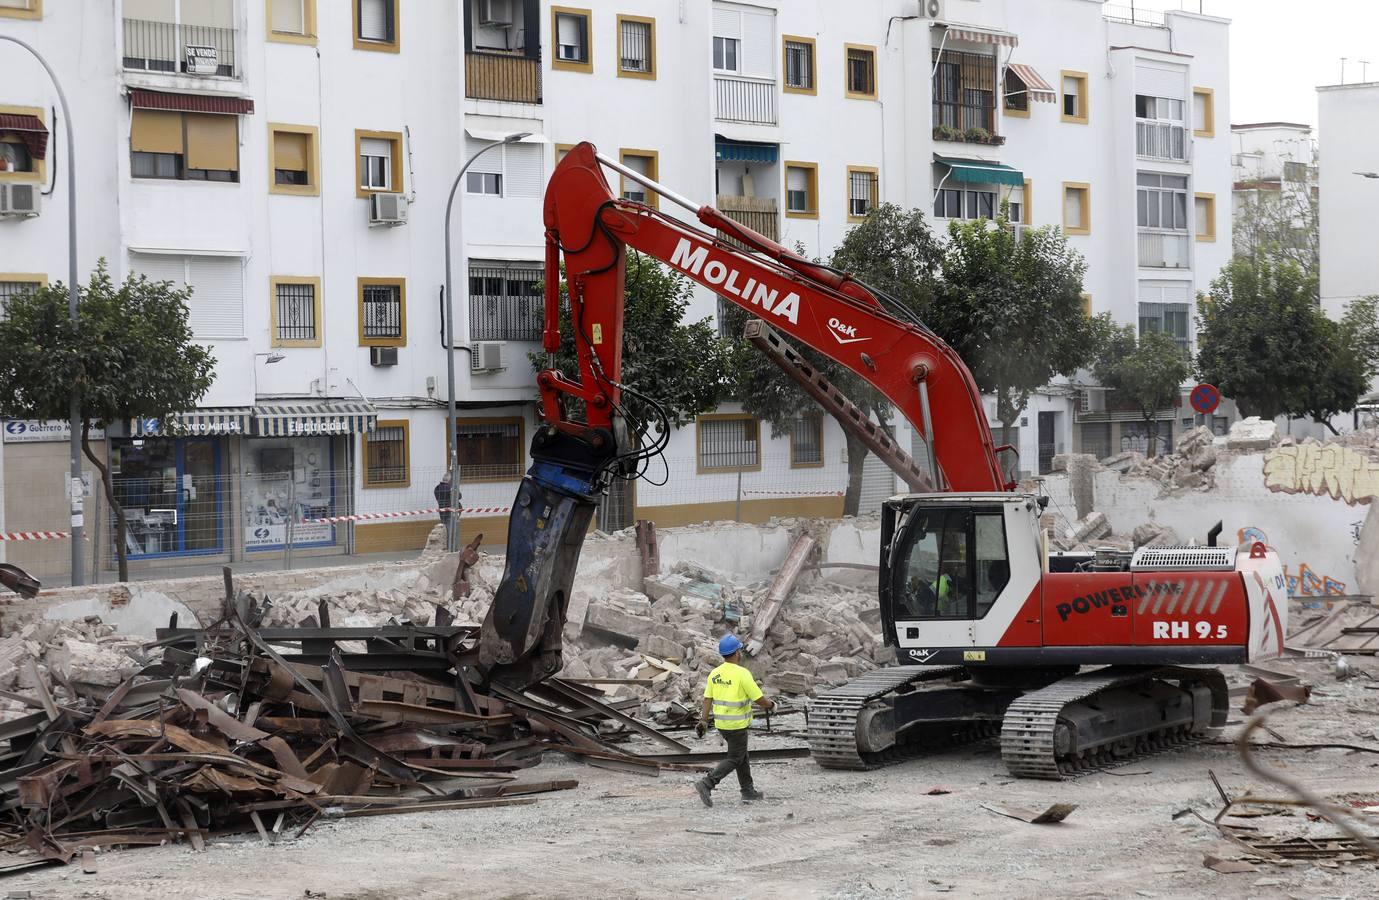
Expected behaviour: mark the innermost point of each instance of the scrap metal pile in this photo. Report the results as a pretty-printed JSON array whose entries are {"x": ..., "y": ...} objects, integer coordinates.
[{"x": 242, "y": 728}]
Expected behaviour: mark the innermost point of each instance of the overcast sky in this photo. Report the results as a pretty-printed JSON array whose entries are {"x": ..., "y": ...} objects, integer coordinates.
[{"x": 1282, "y": 49}]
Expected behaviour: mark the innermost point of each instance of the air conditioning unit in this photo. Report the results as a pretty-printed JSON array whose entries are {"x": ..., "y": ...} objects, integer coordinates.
[
  {"x": 495, "y": 12},
  {"x": 19, "y": 199},
  {"x": 486, "y": 356},
  {"x": 387, "y": 209},
  {"x": 1093, "y": 400},
  {"x": 382, "y": 356},
  {"x": 931, "y": 9}
]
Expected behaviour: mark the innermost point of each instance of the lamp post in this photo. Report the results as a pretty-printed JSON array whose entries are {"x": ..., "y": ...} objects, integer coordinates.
[
  {"x": 452, "y": 531},
  {"x": 74, "y": 409},
  {"x": 272, "y": 357}
]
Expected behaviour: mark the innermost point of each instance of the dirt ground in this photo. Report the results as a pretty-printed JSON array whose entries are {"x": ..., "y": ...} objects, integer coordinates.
[{"x": 818, "y": 834}]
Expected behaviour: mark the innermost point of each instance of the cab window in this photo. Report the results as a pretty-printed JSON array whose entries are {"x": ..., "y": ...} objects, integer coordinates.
[
  {"x": 993, "y": 566},
  {"x": 953, "y": 565}
]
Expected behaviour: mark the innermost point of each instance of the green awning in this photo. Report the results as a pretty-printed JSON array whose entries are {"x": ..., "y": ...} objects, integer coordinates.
[
  {"x": 744, "y": 151},
  {"x": 977, "y": 172}
]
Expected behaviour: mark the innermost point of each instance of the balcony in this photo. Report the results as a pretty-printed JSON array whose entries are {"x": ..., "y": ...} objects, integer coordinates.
[
  {"x": 153, "y": 46},
  {"x": 506, "y": 77},
  {"x": 1155, "y": 139},
  {"x": 757, "y": 213},
  {"x": 1164, "y": 249},
  {"x": 1129, "y": 15},
  {"x": 750, "y": 100}
]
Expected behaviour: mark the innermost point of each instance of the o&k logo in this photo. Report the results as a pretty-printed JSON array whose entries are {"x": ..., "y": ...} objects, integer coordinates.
[{"x": 839, "y": 328}]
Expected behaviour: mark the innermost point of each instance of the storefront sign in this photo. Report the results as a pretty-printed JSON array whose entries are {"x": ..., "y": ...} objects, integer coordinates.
[
  {"x": 27, "y": 431},
  {"x": 341, "y": 425},
  {"x": 259, "y": 537},
  {"x": 194, "y": 426}
]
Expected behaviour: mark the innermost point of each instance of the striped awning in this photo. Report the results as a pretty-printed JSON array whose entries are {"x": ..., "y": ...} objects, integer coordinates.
[
  {"x": 199, "y": 103},
  {"x": 744, "y": 151},
  {"x": 1036, "y": 87},
  {"x": 211, "y": 420},
  {"x": 322, "y": 417},
  {"x": 31, "y": 131},
  {"x": 976, "y": 171},
  {"x": 981, "y": 36}
]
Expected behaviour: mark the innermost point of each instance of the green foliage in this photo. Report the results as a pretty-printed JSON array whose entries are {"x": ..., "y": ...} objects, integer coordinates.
[
  {"x": 681, "y": 365},
  {"x": 1148, "y": 373},
  {"x": 131, "y": 357},
  {"x": 1268, "y": 346}
]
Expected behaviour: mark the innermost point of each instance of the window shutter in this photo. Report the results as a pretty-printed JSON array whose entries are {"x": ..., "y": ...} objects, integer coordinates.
[
  {"x": 1072, "y": 207},
  {"x": 217, "y": 303},
  {"x": 375, "y": 147},
  {"x": 374, "y": 19},
  {"x": 1199, "y": 113},
  {"x": 212, "y": 142},
  {"x": 727, "y": 23},
  {"x": 490, "y": 163},
  {"x": 523, "y": 175},
  {"x": 758, "y": 44},
  {"x": 1156, "y": 82},
  {"x": 288, "y": 17},
  {"x": 290, "y": 151},
  {"x": 161, "y": 268},
  {"x": 155, "y": 131},
  {"x": 796, "y": 179}
]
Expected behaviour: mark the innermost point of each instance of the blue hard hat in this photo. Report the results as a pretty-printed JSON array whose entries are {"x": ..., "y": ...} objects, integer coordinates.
[{"x": 729, "y": 645}]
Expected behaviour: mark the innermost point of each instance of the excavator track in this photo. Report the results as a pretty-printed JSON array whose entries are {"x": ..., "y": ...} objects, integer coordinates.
[
  {"x": 1029, "y": 734},
  {"x": 833, "y": 717}
]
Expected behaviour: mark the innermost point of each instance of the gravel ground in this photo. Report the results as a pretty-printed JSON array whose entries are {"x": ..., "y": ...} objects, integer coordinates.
[{"x": 818, "y": 834}]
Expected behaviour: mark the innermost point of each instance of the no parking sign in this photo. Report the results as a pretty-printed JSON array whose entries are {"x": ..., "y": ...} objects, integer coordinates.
[{"x": 1205, "y": 398}]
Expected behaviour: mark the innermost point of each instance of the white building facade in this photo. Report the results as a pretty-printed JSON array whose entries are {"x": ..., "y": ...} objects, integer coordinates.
[
  {"x": 1348, "y": 119},
  {"x": 264, "y": 152}
]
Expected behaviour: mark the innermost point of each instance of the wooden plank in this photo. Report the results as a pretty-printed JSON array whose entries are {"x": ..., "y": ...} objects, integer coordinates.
[{"x": 437, "y": 806}]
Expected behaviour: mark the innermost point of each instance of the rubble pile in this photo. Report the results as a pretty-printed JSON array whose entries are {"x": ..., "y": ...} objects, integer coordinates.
[{"x": 85, "y": 658}]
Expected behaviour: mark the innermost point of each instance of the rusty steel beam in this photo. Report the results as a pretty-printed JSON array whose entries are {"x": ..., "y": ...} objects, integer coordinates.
[{"x": 848, "y": 414}]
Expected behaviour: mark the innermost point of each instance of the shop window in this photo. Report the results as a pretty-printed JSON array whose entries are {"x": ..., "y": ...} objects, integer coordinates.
[
  {"x": 861, "y": 71},
  {"x": 643, "y": 162},
  {"x": 489, "y": 449},
  {"x": 636, "y": 47},
  {"x": 571, "y": 29},
  {"x": 386, "y": 455},
  {"x": 296, "y": 312},
  {"x": 807, "y": 442},
  {"x": 801, "y": 190},
  {"x": 294, "y": 160},
  {"x": 863, "y": 190},
  {"x": 728, "y": 442},
  {"x": 12, "y": 285},
  {"x": 382, "y": 312},
  {"x": 171, "y": 492},
  {"x": 1077, "y": 207},
  {"x": 288, "y": 483},
  {"x": 1075, "y": 106},
  {"x": 799, "y": 65},
  {"x": 379, "y": 161},
  {"x": 375, "y": 25},
  {"x": 183, "y": 145},
  {"x": 292, "y": 21}
]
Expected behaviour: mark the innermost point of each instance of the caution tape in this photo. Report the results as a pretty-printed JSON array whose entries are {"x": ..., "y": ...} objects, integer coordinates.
[
  {"x": 784, "y": 493},
  {"x": 34, "y": 535},
  {"x": 362, "y": 517}
]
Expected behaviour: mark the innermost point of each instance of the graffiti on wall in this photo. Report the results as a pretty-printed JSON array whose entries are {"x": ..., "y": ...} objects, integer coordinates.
[
  {"x": 1306, "y": 583},
  {"x": 1325, "y": 470}
]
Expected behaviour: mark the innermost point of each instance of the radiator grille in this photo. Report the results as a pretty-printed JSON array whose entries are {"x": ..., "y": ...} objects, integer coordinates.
[{"x": 1213, "y": 558}]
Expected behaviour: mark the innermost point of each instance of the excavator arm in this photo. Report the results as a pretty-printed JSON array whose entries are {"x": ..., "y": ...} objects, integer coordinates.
[{"x": 575, "y": 456}]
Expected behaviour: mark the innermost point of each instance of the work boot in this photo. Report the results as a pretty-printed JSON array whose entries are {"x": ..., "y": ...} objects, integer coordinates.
[
  {"x": 752, "y": 794},
  {"x": 704, "y": 790}
]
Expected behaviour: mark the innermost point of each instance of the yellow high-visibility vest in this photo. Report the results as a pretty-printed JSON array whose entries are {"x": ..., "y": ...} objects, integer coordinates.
[{"x": 732, "y": 690}]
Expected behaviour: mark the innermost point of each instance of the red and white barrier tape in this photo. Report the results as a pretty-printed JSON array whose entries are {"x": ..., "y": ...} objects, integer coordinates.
[
  {"x": 798, "y": 493},
  {"x": 34, "y": 535},
  {"x": 361, "y": 517}
]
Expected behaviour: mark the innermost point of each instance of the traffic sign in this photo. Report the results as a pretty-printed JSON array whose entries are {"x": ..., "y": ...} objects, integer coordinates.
[{"x": 1205, "y": 398}]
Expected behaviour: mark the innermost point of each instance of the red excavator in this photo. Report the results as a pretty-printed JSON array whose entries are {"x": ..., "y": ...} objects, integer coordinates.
[{"x": 1079, "y": 661}]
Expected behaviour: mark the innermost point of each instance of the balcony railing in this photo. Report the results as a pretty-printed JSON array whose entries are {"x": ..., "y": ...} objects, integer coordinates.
[
  {"x": 152, "y": 46},
  {"x": 757, "y": 213},
  {"x": 1164, "y": 249},
  {"x": 509, "y": 77},
  {"x": 1129, "y": 15},
  {"x": 750, "y": 100},
  {"x": 1160, "y": 140}
]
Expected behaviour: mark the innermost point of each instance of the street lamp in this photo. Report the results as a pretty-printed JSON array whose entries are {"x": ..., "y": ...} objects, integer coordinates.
[
  {"x": 452, "y": 531},
  {"x": 1367, "y": 174},
  {"x": 74, "y": 409},
  {"x": 270, "y": 357}
]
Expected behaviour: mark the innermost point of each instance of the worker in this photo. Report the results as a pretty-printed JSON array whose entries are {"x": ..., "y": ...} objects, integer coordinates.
[{"x": 728, "y": 697}]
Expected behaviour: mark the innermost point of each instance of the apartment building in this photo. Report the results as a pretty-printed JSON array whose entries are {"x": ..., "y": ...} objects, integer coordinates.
[
  {"x": 1348, "y": 119},
  {"x": 291, "y": 160}
]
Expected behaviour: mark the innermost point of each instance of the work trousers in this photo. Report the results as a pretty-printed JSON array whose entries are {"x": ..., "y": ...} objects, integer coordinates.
[{"x": 737, "y": 759}]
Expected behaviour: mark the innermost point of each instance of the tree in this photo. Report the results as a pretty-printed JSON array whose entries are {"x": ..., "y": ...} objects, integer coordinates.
[
  {"x": 1264, "y": 341},
  {"x": 893, "y": 251},
  {"x": 1277, "y": 222},
  {"x": 1012, "y": 309},
  {"x": 1148, "y": 374},
  {"x": 130, "y": 357}
]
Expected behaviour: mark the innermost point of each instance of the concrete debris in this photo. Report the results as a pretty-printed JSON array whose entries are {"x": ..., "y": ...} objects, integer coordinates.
[
  {"x": 1089, "y": 528},
  {"x": 1252, "y": 434}
]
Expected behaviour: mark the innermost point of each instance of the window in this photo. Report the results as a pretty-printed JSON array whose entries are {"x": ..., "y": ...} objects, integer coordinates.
[
  {"x": 505, "y": 300},
  {"x": 1026, "y": 203},
  {"x": 380, "y": 161},
  {"x": 728, "y": 442},
  {"x": 571, "y": 29},
  {"x": 862, "y": 192},
  {"x": 952, "y": 203},
  {"x": 292, "y": 21},
  {"x": 296, "y": 312},
  {"x": 1087, "y": 305},
  {"x": 12, "y": 285},
  {"x": 964, "y": 88},
  {"x": 954, "y": 565},
  {"x": 294, "y": 160},
  {"x": 484, "y": 183},
  {"x": 561, "y": 150},
  {"x": 1168, "y": 318},
  {"x": 1015, "y": 95},
  {"x": 643, "y": 162},
  {"x": 508, "y": 170},
  {"x": 183, "y": 145},
  {"x": 1203, "y": 112},
  {"x": 215, "y": 308},
  {"x": 386, "y": 454},
  {"x": 799, "y": 65},
  {"x": 807, "y": 441},
  {"x": 23, "y": 144},
  {"x": 21, "y": 9},
  {"x": 1161, "y": 201},
  {"x": 375, "y": 25},
  {"x": 1164, "y": 108},
  {"x": 14, "y": 154},
  {"x": 1077, "y": 207},
  {"x": 1159, "y": 131},
  {"x": 801, "y": 190},
  {"x": 636, "y": 47},
  {"x": 1015, "y": 206},
  {"x": 1075, "y": 106},
  {"x": 861, "y": 71},
  {"x": 1204, "y": 215},
  {"x": 382, "y": 312},
  {"x": 1299, "y": 172},
  {"x": 725, "y": 53},
  {"x": 489, "y": 449}
]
